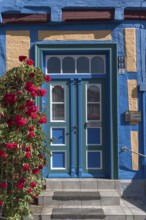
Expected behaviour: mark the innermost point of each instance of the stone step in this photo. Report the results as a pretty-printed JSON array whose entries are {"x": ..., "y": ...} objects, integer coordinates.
[
  {"x": 129, "y": 209},
  {"x": 77, "y": 213},
  {"x": 82, "y": 184},
  {"x": 79, "y": 198}
]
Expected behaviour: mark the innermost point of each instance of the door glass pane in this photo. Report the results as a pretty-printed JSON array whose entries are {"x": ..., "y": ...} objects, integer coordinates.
[
  {"x": 93, "y": 94},
  {"x": 93, "y": 111},
  {"x": 97, "y": 65},
  {"x": 58, "y": 94},
  {"x": 53, "y": 65},
  {"x": 68, "y": 64},
  {"x": 83, "y": 65},
  {"x": 58, "y": 111}
]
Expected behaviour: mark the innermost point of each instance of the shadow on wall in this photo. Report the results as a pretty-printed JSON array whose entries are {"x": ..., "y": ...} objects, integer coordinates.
[{"x": 134, "y": 191}]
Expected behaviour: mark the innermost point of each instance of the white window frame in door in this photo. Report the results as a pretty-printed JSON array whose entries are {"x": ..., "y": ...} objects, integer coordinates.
[
  {"x": 86, "y": 107},
  {"x": 51, "y": 103}
]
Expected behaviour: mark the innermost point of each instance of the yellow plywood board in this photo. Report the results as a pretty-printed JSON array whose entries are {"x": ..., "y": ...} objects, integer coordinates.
[
  {"x": 75, "y": 35},
  {"x": 135, "y": 148},
  {"x": 17, "y": 44},
  {"x": 132, "y": 95},
  {"x": 130, "y": 49}
]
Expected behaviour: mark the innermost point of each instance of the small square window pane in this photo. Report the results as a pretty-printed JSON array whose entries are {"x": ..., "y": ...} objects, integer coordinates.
[
  {"x": 58, "y": 136},
  {"x": 93, "y": 112},
  {"x": 58, "y": 112},
  {"x": 58, "y": 160},
  {"x": 94, "y": 160},
  {"x": 94, "y": 136}
]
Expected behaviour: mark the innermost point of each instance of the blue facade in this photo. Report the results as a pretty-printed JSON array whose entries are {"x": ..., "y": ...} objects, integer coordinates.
[{"x": 117, "y": 27}]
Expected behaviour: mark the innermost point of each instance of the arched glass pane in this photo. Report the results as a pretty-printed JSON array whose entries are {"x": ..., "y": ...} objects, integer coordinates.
[
  {"x": 53, "y": 65},
  {"x": 93, "y": 94},
  {"x": 83, "y": 65},
  {"x": 68, "y": 65},
  {"x": 97, "y": 65},
  {"x": 58, "y": 94}
]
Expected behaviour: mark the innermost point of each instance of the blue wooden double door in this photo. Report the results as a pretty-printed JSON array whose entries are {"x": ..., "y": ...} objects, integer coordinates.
[{"x": 76, "y": 127}]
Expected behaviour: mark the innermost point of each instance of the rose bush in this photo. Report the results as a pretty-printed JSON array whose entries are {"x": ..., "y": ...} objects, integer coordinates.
[{"x": 23, "y": 148}]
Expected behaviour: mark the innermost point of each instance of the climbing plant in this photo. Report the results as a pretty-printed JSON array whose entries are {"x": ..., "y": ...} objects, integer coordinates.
[{"x": 23, "y": 148}]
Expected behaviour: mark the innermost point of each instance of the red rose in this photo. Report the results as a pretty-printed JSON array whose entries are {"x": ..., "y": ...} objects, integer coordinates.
[
  {"x": 28, "y": 155},
  {"x": 28, "y": 85},
  {"x": 4, "y": 155},
  {"x": 1, "y": 152},
  {"x": 40, "y": 156},
  {"x": 20, "y": 186},
  {"x": 3, "y": 185},
  {"x": 29, "y": 103},
  {"x": 21, "y": 58},
  {"x": 29, "y": 190},
  {"x": 22, "y": 180},
  {"x": 10, "y": 97},
  {"x": 47, "y": 78},
  {"x": 41, "y": 92},
  {"x": 27, "y": 149},
  {"x": 43, "y": 120},
  {"x": 21, "y": 107},
  {"x": 18, "y": 120},
  {"x": 9, "y": 123},
  {"x": 30, "y": 62},
  {"x": 19, "y": 92},
  {"x": 35, "y": 196},
  {"x": 31, "y": 128},
  {"x": 1, "y": 203},
  {"x": 11, "y": 145},
  {"x": 31, "y": 75},
  {"x": 33, "y": 115},
  {"x": 35, "y": 171},
  {"x": 31, "y": 109},
  {"x": 26, "y": 167},
  {"x": 33, "y": 184},
  {"x": 31, "y": 134},
  {"x": 40, "y": 166}
]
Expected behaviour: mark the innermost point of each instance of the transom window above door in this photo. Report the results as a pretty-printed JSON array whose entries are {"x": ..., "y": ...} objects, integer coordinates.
[{"x": 76, "y": 64}]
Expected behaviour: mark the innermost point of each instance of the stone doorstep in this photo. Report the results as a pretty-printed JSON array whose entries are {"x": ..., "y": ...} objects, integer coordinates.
[
  {"x": 104, "y": 197},
  {"x": 79, "y": 184}
]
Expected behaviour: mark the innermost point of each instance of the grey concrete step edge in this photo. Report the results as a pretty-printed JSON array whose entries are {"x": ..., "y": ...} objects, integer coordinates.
[
  {"x": 94, "y": 184},
  {"x": 104, "y": 201}
]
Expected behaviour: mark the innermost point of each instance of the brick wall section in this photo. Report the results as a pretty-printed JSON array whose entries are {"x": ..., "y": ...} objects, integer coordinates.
[
  {"x": 132, "y": 95},
  {"x": 75, "y": 35},
  {"x": 130, "y": 49},
  {"x": 134, "y": 147},
  {"x": 17, "y": 43}
]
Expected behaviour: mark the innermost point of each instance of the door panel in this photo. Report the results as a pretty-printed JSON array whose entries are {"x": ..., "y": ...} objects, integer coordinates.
[
  {"x": 76, "y": 128},
  {"x": 58, "y": 127},
  {"x": 93, "y": 125}
]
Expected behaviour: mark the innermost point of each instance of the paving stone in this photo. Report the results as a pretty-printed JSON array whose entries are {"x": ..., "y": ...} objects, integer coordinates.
[
  {"x": 90, "y": 185},
  {"x": 91, "y": 203},
  {"x": 53, "y": 184},
  {"x": 110, "y": 210},
  {"x": 106, "y": 184},
  {"x": 117, "y": 217},
  {"x": 110, "y": 201},
  {"x": 71, "y": 185}
]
